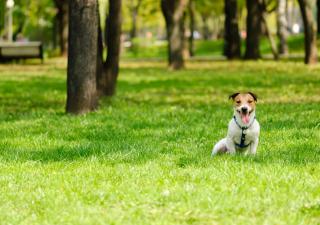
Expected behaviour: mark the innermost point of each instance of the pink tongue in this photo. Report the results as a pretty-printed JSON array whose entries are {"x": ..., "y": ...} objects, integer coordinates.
[{"x": 245, "y": 118}]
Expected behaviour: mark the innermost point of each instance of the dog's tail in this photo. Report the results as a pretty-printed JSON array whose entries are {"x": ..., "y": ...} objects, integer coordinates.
[{"x": 219, "y": 147}]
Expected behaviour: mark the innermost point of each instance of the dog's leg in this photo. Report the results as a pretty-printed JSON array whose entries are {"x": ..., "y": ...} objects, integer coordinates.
[
  {"x": 253, "y": 147},
  {"x": 231, "y": 147},
  {"x": 219, "y": 147}
]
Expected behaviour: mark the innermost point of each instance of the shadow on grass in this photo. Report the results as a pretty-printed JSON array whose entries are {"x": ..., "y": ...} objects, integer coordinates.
[
  {"x": 299, "y": 155},
  {"x": 139, "y": 153},
  {"x": 120, "y": 149},
  {"x": 77, "y": 153},
  {"x": 33, "y": 94}
]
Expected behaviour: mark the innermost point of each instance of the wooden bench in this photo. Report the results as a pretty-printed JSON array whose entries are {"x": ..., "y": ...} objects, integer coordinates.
[{"x": 20, "y": 50}]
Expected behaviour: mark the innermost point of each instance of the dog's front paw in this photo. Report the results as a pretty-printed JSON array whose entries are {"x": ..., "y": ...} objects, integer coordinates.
[{"x": 231, "y": 152}]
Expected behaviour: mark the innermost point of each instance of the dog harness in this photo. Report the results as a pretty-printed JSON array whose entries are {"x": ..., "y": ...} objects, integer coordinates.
[{"x": 243, "y": 135}]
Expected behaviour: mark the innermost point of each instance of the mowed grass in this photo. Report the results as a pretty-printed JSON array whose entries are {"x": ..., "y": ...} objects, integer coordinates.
[{"x": 144, "y": 156}]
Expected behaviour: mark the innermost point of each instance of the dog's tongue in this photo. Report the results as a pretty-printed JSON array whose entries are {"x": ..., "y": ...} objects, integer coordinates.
[{"x": 245, "y": 118}]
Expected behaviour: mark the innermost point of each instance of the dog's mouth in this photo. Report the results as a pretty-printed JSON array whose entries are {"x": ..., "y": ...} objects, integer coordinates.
[{"x": 245, "y": 116}]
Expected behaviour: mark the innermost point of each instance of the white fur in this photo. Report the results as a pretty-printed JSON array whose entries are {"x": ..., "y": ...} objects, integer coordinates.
[{"x": 228, "y": 145}]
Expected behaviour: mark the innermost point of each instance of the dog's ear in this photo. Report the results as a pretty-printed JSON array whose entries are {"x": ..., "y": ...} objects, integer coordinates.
[
  {"x": 233, "y": 95},
  {"x": 255, "y": 97}
]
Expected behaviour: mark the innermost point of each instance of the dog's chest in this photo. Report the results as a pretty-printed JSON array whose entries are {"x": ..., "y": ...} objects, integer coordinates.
[{"x": 248, "y": 136}]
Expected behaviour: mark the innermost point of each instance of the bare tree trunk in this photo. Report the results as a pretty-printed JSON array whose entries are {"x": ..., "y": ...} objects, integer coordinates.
[
  {"x": 263, "y": 8},
  {"x": 108, "y": 78},
  {"x": 253, "y": 30},
  {"x": 191, "y": 9},
  {"x": 100, "y": 60},
  {"x": 272, "y": 42},
  {"x": 282, "y": 25},
  {"x": 205, "y": 28},
  {"x": 62, "y": 22},
  {"x": 310, "y": 33},
  {"x": 82, "y": 57},
  {"x": 173, "y": 11},
  {"x": 186, "y": 53},
  {"x": 134, "y": 16},
  {"x": 232, "y": 43}
]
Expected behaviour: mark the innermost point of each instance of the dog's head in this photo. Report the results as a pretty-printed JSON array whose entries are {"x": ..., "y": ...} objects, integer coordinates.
[{"x": 244, "y": 105}]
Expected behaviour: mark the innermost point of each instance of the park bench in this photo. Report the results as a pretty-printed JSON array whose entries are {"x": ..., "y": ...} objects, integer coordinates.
[{"x": 20, "y": 50}]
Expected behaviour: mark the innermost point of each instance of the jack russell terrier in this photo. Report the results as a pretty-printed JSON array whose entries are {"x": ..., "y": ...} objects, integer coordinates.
[{"x": 243, "y": 129}]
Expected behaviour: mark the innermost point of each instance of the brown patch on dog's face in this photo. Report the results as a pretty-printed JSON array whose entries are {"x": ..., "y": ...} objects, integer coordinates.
[
  {"x": 245, "y": 99},
  {"x": 244, "y": 104}
]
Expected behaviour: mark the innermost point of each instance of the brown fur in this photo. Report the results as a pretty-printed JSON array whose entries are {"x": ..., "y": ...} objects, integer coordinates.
[{"x": 242, "y": 98}]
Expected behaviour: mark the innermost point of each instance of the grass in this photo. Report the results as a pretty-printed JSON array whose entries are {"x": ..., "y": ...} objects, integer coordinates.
[
  {"x": 144, "y": 48},
  {"x": 144, "y": 157}
]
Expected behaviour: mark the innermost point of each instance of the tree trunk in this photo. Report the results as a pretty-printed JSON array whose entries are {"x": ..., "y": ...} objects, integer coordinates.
[
  {"x": 205, "y": 28},
  {"x": 191, "y": 9},
  {"x": 273, "y": 45},
  {"x": 232, "y": 43},
  {"x": 134, "y": 15},
  {"x": 310, "y": 33},
  {"x": 173, "y": 11},
  {"x": 62, "y": 22},
  {"x": 253, "y": 30},
  {"x": 108, "y": 79},
  {"x": 82, "y": 57},
  {"x": 272, "y": 42},
  {"x": 186, "y": 53},
  {"x": 282, "y": 25}
]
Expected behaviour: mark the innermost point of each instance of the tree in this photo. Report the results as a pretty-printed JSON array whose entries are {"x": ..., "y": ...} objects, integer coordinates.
[
  {"x": 232, "y": 44},
  {"x": 207, "y": 10},
  {"x": 310, "y": 34},
  {"x": 82, "y": 57},
  {"x": 282, "y": 25},
  {"x": 135, "y": 6},
  {"x": 253, "y": 29},
  {"x": 2, "y": 12},
  {"x": 173, "y": 11},
  {"x": 191, "y": 11},
  {"x": 107, "y": 79},
  {"x": 264, "y": 12},
  {"x": 62, "y": 24}
]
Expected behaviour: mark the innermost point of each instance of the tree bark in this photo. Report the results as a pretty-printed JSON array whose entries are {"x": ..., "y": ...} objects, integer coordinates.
[
  {"x": 173, "y": 11},
  {"x": 108, "y": 78},
  {"x": 191, "y": 9},
  {"x": 62, "y": 18},
  {"x": 82, "y": 57},
  {"x": 186, "y": 53},
  {"x": 310, "y": 33},
  {"x": 232, "y": 43},
  {"x": 253, "y": 30},
  {"x": 282, "y": 25}
]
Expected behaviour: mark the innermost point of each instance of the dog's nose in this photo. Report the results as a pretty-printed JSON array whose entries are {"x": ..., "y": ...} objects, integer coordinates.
[{"x": 244, "y": 109}]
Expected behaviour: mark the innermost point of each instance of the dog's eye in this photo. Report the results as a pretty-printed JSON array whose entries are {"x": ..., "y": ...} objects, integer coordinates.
[
  {"x": 238, "y": 102},
  {"x": 249, "y": 101}
]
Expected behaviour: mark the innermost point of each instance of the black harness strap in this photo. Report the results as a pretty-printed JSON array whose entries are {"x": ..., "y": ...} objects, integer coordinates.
[
  {"x": 242, "y": 140},
  {"x": 243, "y": 135}
]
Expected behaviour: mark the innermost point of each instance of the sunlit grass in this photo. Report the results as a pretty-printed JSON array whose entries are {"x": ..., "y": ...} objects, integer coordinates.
[
  {"x": 146, "y": 49},
  {"x": 144, "y": 156}
]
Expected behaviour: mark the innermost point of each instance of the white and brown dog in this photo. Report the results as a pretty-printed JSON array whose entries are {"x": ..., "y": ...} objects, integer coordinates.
[{"x": 243, "y": 129}]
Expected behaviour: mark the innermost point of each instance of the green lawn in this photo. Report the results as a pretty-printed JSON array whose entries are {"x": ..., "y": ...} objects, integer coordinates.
[
  {"x": 144, "y": 48},
  {"x": 144, "y": 157}
]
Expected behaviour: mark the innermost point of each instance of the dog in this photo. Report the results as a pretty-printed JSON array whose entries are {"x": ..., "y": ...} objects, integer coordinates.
[{"x": 244, "y": 129}]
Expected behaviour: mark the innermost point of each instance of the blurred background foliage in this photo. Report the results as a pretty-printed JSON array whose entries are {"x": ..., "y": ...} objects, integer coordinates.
[{"x": 35, "y": 20}]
